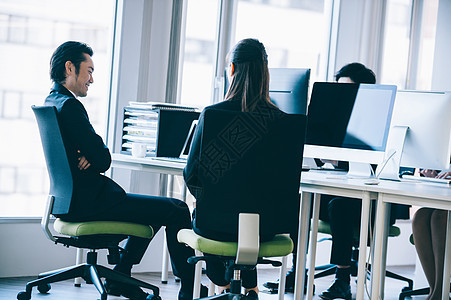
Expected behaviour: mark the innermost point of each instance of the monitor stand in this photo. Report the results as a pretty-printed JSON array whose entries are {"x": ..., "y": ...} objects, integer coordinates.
[
  {"x": 389, "y": 168},
  {"x": 359, "y": 170},
  {"x": 309, "y": 163}
]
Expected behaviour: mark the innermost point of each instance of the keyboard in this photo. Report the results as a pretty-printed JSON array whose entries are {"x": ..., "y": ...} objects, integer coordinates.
[
  {"x": 171, "y": 159},
  {"x": 426, "y": 179}
]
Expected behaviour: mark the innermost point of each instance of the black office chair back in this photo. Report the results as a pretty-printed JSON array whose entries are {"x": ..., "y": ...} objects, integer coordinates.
[
  {"x": 250, "y": 162},
  {"x": 61, "y": 182}
]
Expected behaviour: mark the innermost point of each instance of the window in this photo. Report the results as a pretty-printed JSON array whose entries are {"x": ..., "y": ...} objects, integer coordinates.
[
  {"x": 396, "y": 43},
  {"x": 28, "y": 36},
  {"x": 427, "y": 45},
  {"x": 408, "y": 53},
  {"x": 294, "y": 32},
  {"x": 199, "y": 52}
]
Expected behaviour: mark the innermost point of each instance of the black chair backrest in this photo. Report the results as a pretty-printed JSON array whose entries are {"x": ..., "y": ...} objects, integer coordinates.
[
  {"x": 61, "y": 182},
  {"x": 250, "y": 162}
]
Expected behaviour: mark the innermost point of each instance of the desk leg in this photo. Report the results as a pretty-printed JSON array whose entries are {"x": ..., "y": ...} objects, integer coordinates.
[
  {"x": 164, "y": 191},
  {"x": 304, "y": 219},
  {"x": 312, "y": 246},
  {"x": 447, "y": 262},
  {"x": 364, "y": 224},
  {"x": 380, "y": 241}
]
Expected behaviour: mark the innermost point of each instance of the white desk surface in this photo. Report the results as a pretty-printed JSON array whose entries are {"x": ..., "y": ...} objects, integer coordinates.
[
  {"x": 147, "y": 164},
  {"x": 437, "y": 195}
]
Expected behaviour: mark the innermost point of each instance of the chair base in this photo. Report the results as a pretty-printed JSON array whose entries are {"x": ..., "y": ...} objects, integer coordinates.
[
  {"x": 91, "y": 273},
  {"x": 417, "y": 292},
  {"x": 408, "y": 293}
]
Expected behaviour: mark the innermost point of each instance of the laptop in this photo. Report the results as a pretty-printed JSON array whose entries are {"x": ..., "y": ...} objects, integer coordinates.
[{"x": 183, "y": 156}]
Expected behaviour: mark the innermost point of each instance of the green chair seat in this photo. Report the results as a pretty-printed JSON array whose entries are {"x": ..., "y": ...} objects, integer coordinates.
[
  {"x": 280, "y": 245},
  {"x": 324, "y": 227},
  {"x": 103, "y": 227}
]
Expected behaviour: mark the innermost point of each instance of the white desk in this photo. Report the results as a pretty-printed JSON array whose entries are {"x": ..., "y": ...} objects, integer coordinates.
[
  {"x": 419, "y": 194},
  {"x": 431, "y": 195},
  {"x": 147, "y": 164},
  {"x": 330, "y": 184}
]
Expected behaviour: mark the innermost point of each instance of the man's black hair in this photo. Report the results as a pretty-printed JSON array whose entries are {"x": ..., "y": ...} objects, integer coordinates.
[
  {"x": 68, "y": 51},
  {"x": 357, "y": 72}
]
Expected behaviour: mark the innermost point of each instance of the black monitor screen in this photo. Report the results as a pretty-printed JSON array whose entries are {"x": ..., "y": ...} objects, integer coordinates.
[
  {"x": 288, "y": 89},
  {"x": 350, "y": 115}
]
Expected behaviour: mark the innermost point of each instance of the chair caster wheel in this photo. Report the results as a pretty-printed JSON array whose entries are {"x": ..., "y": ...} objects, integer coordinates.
[
  {"x": 23, "y": 296},
  {"x": 44, "y": 288}
]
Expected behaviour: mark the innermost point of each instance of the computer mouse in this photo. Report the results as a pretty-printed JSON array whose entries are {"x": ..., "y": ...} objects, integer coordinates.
[{"x": 371, "y": 181}]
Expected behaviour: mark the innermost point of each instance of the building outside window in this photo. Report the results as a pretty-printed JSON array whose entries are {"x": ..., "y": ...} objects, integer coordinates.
[{"x": 29, "y": 33}]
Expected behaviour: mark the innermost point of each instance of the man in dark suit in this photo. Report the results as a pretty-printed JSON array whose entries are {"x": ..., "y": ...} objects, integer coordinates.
[{"x": 97, "y": 197}]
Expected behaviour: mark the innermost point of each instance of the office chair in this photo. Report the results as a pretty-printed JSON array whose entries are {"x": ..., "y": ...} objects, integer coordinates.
[
  {"x": 249, "y": 177},
  {"x": 394, "y": 231},
  {"x": 88, "y": 235}
]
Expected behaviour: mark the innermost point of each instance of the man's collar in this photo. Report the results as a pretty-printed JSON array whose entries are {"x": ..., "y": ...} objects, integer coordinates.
[{"x": 62, "y": 89}]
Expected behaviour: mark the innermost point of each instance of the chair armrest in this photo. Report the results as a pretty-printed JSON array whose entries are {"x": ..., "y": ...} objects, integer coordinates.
[
  {"x": 46, "y": 219},
  {"x": 248, "y": 239}
]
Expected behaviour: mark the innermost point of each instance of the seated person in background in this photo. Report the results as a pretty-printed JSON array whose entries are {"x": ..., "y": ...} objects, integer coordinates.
[
  {"x": 429, "y": 235},
  {"x": 343, "y": 214},
  {"x": 97, "y": 197},
  {"x": 248, "y": 91}
]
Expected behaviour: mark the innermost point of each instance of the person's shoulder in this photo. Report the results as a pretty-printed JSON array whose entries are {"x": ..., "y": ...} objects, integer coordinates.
[
  {"x": 60, "y": 97},
  {"x": 63, "y": 102},
  {"x": 225, "y": 105}
]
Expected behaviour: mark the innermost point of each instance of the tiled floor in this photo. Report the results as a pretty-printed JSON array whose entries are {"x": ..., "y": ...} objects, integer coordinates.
[{"x": 9, "y": 287}]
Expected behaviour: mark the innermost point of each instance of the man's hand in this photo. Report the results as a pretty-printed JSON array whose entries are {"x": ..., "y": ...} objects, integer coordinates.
[{"x": 83, "y": 163}]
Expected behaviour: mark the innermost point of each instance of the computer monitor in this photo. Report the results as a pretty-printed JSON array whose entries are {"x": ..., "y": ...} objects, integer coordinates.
[
  {"x": 288, "y": 89},
  {"x": 349, "y": 122},
  {"x": 189, "y": 139},
  {"x": 420, "y": 134}
]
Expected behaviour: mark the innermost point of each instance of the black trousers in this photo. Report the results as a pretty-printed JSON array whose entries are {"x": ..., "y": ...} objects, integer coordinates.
[
  {"x": 344, "y": 217},
  {"x": 156, "y": 212}
]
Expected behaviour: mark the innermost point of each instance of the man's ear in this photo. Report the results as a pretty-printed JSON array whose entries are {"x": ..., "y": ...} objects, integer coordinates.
[
  {"x": 69, "y": 67},
  {"x": 232, "y": 69}
]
